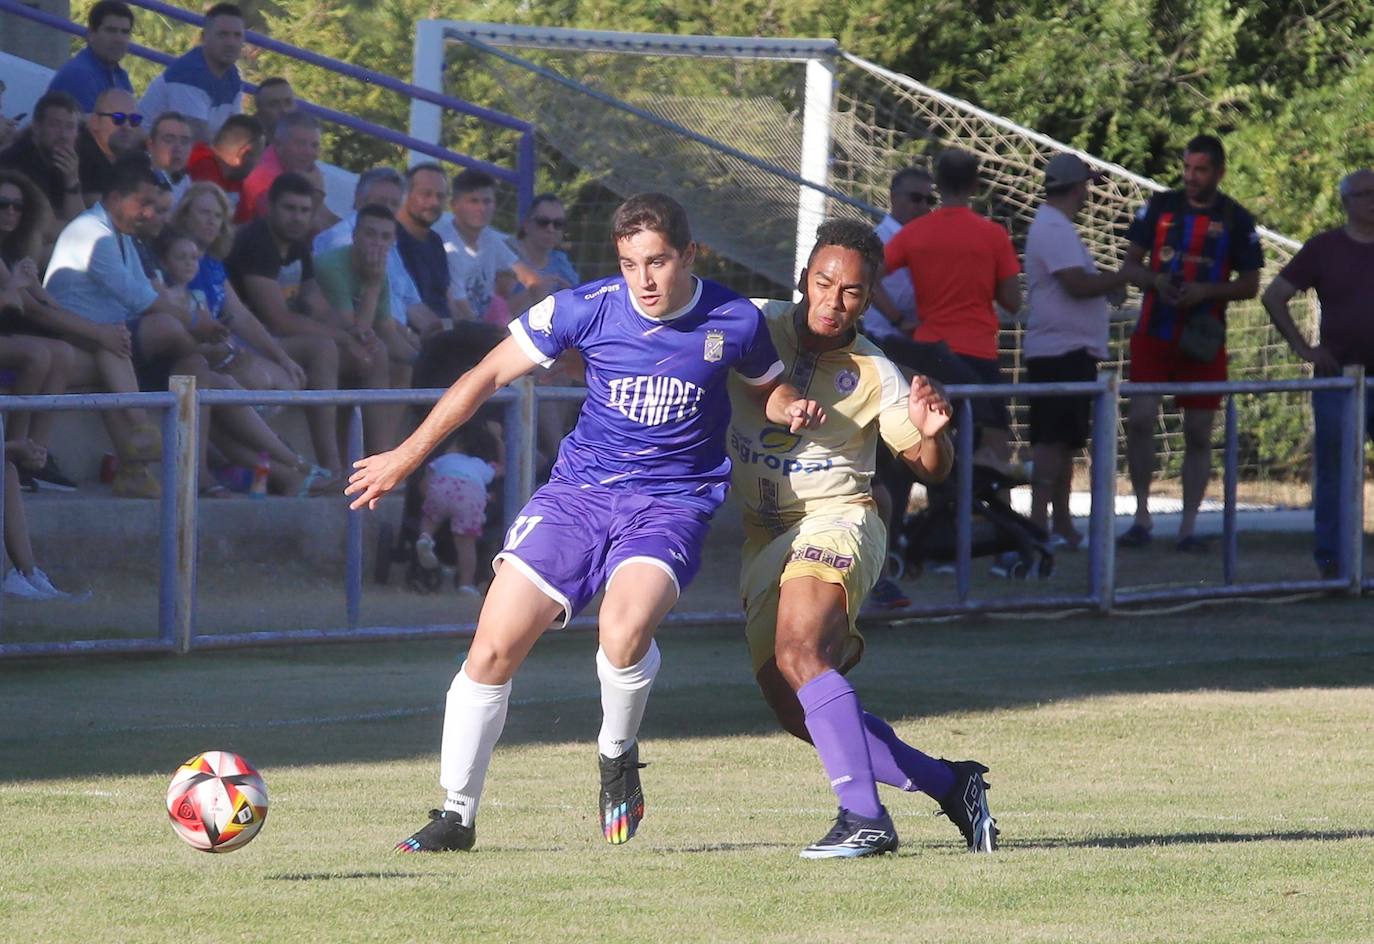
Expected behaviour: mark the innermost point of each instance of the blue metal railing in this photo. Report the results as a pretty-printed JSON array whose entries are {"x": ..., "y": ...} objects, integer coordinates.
[
  {"x": 176, "y": 621},
  {"x": 521, "y": 177}
]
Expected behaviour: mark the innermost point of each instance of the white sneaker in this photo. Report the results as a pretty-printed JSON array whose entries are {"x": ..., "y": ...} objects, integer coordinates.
[
  {"x": 424, "y": 552},
  {"x": 39, "y": 581},
  {"x": 468, "y": 590},
  {"x": 17, "y": 585}
]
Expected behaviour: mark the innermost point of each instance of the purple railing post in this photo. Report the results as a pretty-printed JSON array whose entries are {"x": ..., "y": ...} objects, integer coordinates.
[{"x": 963, "y": 515}]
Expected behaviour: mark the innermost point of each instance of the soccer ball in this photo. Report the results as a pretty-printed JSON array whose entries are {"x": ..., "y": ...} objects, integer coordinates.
[{"x": 217, "y": 802}]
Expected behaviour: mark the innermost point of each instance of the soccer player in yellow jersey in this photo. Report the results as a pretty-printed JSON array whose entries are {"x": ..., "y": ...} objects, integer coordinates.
[{"x": 815, "y": 544}]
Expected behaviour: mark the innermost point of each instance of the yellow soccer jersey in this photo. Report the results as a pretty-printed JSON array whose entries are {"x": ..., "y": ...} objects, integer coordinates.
[{"x": 780, "y": 476}]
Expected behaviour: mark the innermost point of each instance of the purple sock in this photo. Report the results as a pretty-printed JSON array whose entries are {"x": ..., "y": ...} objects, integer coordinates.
[
  {"x": 835, "y": 720},
  {"x": 897, "y": 763}
]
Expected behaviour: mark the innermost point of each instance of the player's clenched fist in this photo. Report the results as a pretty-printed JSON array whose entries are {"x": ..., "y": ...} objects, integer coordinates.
[{"x": 804, "y": 414}]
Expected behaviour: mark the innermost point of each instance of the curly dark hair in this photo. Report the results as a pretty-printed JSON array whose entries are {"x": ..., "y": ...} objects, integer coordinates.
[
  {"x": 851, "y": 234},
  {"x": 26, "y": 240}
]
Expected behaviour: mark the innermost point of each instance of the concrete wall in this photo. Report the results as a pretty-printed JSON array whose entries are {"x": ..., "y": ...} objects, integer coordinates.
[{"x": 33, "y": 41}]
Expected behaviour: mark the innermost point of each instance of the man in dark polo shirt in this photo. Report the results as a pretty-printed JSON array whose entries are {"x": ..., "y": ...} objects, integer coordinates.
[
  {"x": 272, "y": 271},
  {"x": 1339, "y": 264},
  {"x": 421, "y": 249},
  {"x": 1203, "y": 252},
  {"x": 46, "y": 154}
]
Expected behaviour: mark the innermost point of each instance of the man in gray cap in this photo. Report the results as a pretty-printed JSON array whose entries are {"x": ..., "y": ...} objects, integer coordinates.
[{"x": 1066, "y": 335}]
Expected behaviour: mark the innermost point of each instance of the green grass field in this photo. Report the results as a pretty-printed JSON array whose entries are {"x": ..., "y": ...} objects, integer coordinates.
[{"x": 1204, "y": 776}]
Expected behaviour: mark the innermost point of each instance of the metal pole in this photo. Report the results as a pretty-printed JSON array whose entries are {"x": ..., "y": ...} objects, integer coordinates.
[
  {"x": 427, "y": 72},
  {"x": 1101, "y": 524},
  {"x": 526, "y": 165},
  {"x": 353, "y": 578},
  {"x": 963, "y": 516},
  {"x": 1230, "y": 474},
  {"x": 526, "y": 433},
  {"x": 180, "y": 486},
  {"x": 1352, "y": 482},
  {"x": 819, "y": 103}
]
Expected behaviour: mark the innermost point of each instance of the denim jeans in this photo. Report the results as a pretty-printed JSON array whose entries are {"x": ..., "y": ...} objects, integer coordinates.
[{"x": 1326, "y": 469}]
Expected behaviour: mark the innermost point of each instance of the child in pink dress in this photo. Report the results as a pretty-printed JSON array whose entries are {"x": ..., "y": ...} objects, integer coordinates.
[{"x": 455, "y": 490}]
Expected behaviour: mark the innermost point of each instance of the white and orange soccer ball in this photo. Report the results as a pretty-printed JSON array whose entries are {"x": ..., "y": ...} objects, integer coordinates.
[{"x": 217, "y": 802}]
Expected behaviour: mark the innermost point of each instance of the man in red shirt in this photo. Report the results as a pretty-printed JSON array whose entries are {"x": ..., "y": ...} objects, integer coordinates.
[
  {"x": 962, "y": 263},
  {"x": 231, "y": 158},
  {"x": 1339, "y": 264}
]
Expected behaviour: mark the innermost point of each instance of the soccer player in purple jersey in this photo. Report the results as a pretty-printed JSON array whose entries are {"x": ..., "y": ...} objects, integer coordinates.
[{"x": 628, "y": 502}]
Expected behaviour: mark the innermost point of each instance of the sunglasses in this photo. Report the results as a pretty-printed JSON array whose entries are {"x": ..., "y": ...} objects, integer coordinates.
[
  {"x": 119, "y": 117},
  {"x": 547, "y": 221},
  {"x": 16, "y": 205},
  {"x": 929, "y": 199}
]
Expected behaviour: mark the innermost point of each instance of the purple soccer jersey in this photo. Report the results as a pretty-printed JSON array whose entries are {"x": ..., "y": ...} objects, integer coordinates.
[
  {"x": 657, "y": 410},
  {"x": 645, "y": 467}
]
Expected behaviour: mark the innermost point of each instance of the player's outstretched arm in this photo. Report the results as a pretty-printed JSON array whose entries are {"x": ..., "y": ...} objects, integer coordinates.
[
  {"x": 787, "y": 407},
  {"x": 374, "y": 476},
  {"x": 929, "y": 411}
]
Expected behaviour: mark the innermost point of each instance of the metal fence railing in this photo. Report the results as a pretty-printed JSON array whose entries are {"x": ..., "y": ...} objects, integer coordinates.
[{"x": 177, "y": 541}]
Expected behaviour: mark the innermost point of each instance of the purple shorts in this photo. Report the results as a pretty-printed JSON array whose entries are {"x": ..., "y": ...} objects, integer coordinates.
[{"x": 569, "y": 540}]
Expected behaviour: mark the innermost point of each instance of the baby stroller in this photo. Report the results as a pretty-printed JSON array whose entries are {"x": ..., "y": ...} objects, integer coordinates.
[
  {"x": 929, "y": 536},
  {"x": 443, "y": 358}
]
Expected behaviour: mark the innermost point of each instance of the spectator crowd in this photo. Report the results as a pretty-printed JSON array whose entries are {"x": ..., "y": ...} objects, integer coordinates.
[{"x": 143, "y": 236}]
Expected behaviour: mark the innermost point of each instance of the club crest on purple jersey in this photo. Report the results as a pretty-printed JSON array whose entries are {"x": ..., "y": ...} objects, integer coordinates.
[{"x": 715, "y": 345}]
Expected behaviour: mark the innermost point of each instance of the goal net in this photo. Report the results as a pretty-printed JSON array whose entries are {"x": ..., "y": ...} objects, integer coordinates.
[{"x": 762, "y": 139}]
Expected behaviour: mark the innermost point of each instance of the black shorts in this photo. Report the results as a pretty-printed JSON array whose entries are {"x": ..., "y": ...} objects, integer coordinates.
[
  {"x": 937, "y": 361},
  {"x": 153, "y": 374},
  {"x": 1061, "y": 421}
]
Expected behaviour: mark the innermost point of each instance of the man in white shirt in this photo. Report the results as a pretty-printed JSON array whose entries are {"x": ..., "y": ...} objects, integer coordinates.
[
  {"x": 482, "y": 268},
  {"x": 892, "y": 312},
  {"x": 1066, "y": 335}
]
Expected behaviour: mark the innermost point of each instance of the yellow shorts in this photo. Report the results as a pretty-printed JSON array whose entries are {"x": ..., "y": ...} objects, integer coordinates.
[{"x": 844, "y": 544}]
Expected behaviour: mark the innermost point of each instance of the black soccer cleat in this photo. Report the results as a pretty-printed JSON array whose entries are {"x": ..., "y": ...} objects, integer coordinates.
[
  {"x": 853, "y": 836},
  {"x": 622, "y": 797},
  {"x": 444, "y": 832},
  {"x": 966, "y": 805}
]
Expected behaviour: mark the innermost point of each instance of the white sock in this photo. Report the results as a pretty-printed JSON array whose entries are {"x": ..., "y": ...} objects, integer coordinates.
[
  {"x": 624, "y": 695},
  {"x": 473, "y": 719}
]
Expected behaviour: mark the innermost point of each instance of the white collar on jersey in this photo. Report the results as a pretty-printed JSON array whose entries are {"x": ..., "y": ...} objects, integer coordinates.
[{"x": 672, "y": 315}]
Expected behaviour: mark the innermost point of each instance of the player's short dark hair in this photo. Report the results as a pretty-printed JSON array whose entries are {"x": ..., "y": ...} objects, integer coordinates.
[
  {"x": 55, "y": 99},
  {"x": 470, "y": 180},
  {"x": 239, "y": 128},
  {"x": 907, "y": 176},
  {"x": 956, "y": 171},
  {"x": 376, "y": 211},
  {"x": 165, "y": 117},
  {"x": 851, "y": 234},
  {"x": 108, "y": 8},
  {"x": 290, "y": 184},
  {"x": 223, "y": 9},
  {"x": 131, "y": 171},
  {"x": 427, "y": 165},
  {"x": 655, "y": 212},
  {"x": 1210, "y": 145},
  {"x": 272, "y": 82}
]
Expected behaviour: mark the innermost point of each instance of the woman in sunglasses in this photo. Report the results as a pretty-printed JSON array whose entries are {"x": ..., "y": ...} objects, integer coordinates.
[
  {"x": 86, "y": 354},
  {"x": 538, "y": 239}
]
